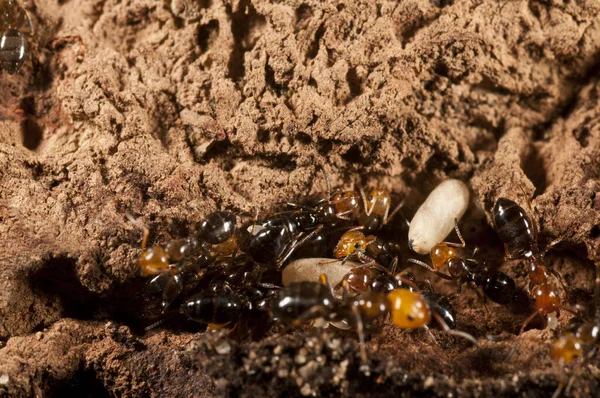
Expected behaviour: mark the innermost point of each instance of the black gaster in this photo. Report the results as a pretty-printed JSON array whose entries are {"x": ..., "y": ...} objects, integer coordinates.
[
  {"x": 300, "y": 297},
  {"x": 513, "y": 226},
  {"x": 267, "y": 245},
  {"x": 441, "y": 306},
  {"x": 499, "y": 287},
  {"x": 212, "y": 308},
  {"x": 217, "y": 227}
]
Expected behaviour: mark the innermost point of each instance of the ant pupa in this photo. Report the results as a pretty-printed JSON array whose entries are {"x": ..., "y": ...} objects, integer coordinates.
[{"x": 434, "y": 220}]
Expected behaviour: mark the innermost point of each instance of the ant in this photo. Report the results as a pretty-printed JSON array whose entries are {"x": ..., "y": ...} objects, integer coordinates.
[
  {"x": 519, "y": 234},
  {"x": 305, "y": 301},
  {"x": 367, "y": 249},
  {"x": 496, "y": 285},
  {"x": 170, "y": 265},
  {"x": 15, "y": 24},
  {"x": 572, "y": 345}
]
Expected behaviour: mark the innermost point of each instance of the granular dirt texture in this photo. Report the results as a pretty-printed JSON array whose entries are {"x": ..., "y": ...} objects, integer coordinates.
[{"x": 170, "y": 110}]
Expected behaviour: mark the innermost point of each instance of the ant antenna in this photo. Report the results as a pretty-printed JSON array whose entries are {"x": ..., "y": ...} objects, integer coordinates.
[
  {"x": 141, "y": 226},
  {"x": 326, "y": 181},
  {"x": 597, "y": 291},
  {"x": 456, "y": 333}
]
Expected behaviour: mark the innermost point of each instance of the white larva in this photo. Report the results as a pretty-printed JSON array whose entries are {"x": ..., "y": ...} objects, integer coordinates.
[
  {"x": 309, "y": 270},
  {"x": 435, "y": 218}
]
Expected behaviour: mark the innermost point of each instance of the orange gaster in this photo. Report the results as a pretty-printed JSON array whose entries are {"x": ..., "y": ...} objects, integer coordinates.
[{"x": 409, "y": 309}]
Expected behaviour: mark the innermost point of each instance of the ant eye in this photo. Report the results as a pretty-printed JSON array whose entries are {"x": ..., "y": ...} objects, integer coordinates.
[
  {"x": 357, "y": 245},
  {"x": 411, "y": 317}
]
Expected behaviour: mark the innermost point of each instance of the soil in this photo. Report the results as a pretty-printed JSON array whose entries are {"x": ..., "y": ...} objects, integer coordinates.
[{"x": 170, "y": 110}]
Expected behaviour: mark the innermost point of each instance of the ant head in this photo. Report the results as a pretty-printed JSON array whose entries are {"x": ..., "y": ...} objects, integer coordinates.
[
  {"x": 346, "y": 203},
  {"x": 154, "y": 261},
  {"x": 566, "y": 348},
  {"x": 378, "y": 201},
  {"x": 409, "y": 309},
  {"x": 352, "y": 242},
  {"x": 457, "y": 267},
  {"x": 372, "y": 222},
  {"x": 441, "y": 253}
]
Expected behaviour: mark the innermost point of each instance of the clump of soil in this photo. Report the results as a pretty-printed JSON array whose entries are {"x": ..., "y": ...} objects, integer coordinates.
[{"x": 175, "y": 109}]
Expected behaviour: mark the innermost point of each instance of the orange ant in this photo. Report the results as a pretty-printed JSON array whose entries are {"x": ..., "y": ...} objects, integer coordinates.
[{"x": 573, "y": 344}]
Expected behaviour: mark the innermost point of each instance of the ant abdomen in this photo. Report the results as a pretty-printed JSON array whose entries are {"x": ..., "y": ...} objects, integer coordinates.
[
  {"x": 217, "y": 227},
  {"x": 296, "y": 300},
  {"x": 513, "y": 226},
  {"x": 213, "y": 308},
  {"x": 268, "y": 244},
  {"x": 497, "y": 286}
]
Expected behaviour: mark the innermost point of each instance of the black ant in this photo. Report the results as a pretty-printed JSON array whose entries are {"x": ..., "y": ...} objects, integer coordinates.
[
  {"x": 183, "y": 260},
  {"x": 496, "y": 285},
  {"x": 15, "y": 24},
  {"x": 519, "y": 234}
]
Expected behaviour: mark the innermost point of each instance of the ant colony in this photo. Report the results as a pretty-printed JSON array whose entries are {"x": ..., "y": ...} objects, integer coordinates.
[{"x": 342, "y": 261}]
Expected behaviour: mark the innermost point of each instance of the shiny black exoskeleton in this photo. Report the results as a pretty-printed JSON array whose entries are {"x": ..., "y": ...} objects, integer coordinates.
[
  {"x": 303, "y": 301},
  {"x": 515, "y": 228},
  {"x": 278, "y": 237},
  {"x": 215, "y": 308},
  {"x": 497, "y": 286},
  {"x": 441, "y": 305},
  {"x": 217, "y": 227},
  {"x": 15, "y": 26}
]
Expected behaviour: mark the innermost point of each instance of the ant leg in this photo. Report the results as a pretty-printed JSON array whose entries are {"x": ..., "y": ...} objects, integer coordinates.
[
  {"x": 409, "y": 282},
  {"x": 364, "y": 199},
  {"x": 268, "y": 286},
  {"x": 551, "y": 245},
  {"x": 462, "y": 241},
  {"x": 597, "y": 293},
  {"x": 326, "y": 181},
  {"x": 394, "y": 265},
  {"x": 429, "y": 285},
  {"x": 457, "y": 333},
  {"x": 323, "y": 279},
  {"x": 508, "y": 256},
  {"x": 297, "y": 206},
  {"x": 141, "y": 226},
  {"x": 559, "y": 278},
  {"x": 287, "y": 253},
  {"x": 431, "y": 334},
  {"x": 393, "y": 213},
  {"x": 361, "y": 338},
  {"x": 515, "y": 346},
  {"x": 429, "y": 268},
  {"x": 318, "y": 311},
  {"x": 473, "y": 286},
  {"x": 561, "y": 381}
]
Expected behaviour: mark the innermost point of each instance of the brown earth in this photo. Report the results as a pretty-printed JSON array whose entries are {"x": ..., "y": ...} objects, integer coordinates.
[{"x": 174, "y": 109}]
